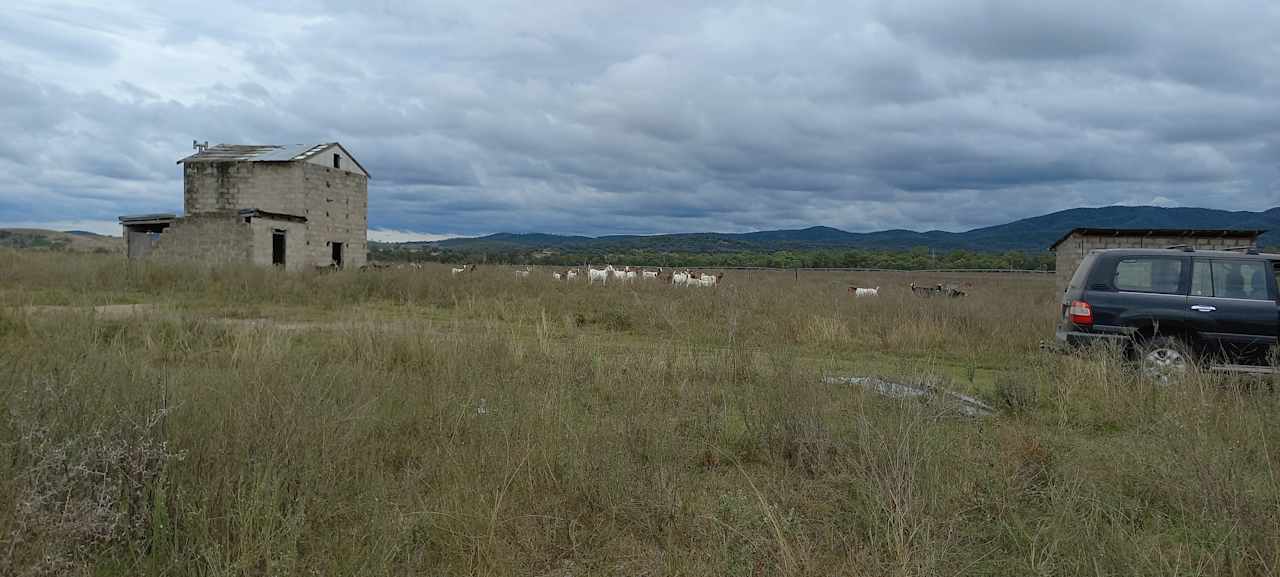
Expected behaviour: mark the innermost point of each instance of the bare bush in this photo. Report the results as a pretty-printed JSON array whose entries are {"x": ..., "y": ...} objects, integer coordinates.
[{"x": 82, "y": 492}]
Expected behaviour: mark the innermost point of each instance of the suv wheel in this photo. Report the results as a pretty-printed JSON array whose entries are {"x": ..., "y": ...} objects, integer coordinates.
[{"x": 1165, "y": 359}]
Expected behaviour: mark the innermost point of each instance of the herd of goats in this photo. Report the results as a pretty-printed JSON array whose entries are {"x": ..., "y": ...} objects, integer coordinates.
[
  {"x": 625, "y": 274},
  {"x": 688, "y": 278}
]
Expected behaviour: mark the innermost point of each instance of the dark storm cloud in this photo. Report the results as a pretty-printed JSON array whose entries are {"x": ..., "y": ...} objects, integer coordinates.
[{"x": 601, "y": 117}]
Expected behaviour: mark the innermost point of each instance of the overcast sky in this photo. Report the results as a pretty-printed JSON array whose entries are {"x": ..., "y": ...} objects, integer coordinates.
[{"x": 599, "y": 117}]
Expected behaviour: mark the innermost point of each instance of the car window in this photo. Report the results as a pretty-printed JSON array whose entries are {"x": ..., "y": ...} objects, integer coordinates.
[
  {"x": 1148, "y": 274},
  {"x": 1276, "y": 268},
  {"x": 1201, "y": 279},
  {"x": 1082, "y": 271},
  {"x": 1240, "y": 280}
]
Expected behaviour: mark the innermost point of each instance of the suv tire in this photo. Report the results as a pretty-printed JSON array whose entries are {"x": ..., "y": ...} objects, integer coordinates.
[{"x": 1165, "y": 359}]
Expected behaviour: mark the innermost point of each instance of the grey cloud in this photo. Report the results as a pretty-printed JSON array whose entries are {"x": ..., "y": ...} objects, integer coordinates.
[{"x": 596, "y": 117}]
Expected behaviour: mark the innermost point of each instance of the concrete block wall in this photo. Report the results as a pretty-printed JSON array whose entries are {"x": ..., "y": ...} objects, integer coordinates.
[
  {"x": 1074, "y": 249},
  {"x": 204, "y": 238},
  {"x": 231, "y": 186},
  {"x": 295, "y": 246},
  {"x": 337, "y": 210}
]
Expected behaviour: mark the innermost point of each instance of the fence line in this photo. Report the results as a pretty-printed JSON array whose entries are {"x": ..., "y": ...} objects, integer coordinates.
[{"x": 925, "y": 270}]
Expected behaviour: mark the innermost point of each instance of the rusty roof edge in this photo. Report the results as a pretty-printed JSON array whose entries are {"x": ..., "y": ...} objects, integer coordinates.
[{"x": 1192, "y": 232}]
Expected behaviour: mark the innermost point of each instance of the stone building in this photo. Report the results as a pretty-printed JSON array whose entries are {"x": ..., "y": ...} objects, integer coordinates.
[
  {"x": 1074, "y": 245},
  {"x": 296, "y": 207}
]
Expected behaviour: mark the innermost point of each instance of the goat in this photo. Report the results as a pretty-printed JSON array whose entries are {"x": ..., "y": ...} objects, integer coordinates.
[
  {"x": 649, "y": 274},
  {"x": 523, "y": 273},
  {"x": 949, "y": 291},
  {"x": 601, "y": 275},
  {"x": 557, "y": 275},
  {"x": 465, "y": 268},
  {"x": 864, "y": 292},
  {"x": 680, "y": 278},
  {"x": 571, "y": 274},
  {"x": 921, "y": 291}
]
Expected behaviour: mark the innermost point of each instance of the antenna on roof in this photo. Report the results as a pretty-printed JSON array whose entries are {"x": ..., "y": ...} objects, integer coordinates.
[{"x": 199, "y": 146}]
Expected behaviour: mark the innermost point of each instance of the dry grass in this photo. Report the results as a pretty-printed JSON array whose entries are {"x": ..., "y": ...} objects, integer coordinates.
[{"x": 407, "y": 422}]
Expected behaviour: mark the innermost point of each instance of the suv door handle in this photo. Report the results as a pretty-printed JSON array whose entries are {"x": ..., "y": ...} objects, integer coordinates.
[{"x": 1203, "y": 308}]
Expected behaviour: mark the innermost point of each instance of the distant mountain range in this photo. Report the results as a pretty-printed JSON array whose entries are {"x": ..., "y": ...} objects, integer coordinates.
[
  {"x": 1028, "y": 235},
  {"x": 72, "y": 241}
]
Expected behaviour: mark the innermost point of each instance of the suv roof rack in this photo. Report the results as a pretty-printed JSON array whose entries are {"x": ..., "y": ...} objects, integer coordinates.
[
  {"x": 1182, "y": 247},
  {"x": 1248, "y": 249}
]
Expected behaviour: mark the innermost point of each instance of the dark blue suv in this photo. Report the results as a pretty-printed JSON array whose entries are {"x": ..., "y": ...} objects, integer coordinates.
[{"x": 1174, "y": 306}]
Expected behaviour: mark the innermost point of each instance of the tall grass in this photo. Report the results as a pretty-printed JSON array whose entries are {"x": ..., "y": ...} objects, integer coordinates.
[{"x": 406, "y": 422}]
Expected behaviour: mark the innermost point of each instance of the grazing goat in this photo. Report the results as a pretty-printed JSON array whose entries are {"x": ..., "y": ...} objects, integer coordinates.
[
  {"x": 703, "y": 279},
  {"x": 601, "y": 275},
  {"x": 571, "y": 274},
  {"x": 649, "y": 274},
  {"x": 938, "y": 290},
  {"x": 523, "y": 273},
  {"x": 455, "y": 270},
  {"x": 864, "y": 292}
]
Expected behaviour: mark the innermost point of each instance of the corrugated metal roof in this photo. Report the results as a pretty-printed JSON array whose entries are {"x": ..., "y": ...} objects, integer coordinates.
[
  {"x": 291, "y": 152},
  {"x": 256, "y": 152},
  {"x": 265, "y": 153}
]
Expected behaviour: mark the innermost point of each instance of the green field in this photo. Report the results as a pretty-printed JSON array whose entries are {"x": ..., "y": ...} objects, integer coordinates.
[{"x": 243, "y": 421}]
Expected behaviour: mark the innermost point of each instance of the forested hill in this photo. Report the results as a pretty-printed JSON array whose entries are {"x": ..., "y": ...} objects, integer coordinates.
[{"x": 1027, "y": 235}]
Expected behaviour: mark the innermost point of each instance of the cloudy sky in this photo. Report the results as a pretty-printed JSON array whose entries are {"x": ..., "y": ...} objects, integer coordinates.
[{"x": 652, "y": 116}]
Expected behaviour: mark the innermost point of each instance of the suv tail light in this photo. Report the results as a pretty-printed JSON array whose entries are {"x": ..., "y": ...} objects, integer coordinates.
[{"x": 1080, "y": 313}]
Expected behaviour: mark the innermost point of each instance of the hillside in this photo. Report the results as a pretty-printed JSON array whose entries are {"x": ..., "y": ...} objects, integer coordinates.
[
  {"x": 72, "y": 241},
  {"x": 1028, "y": 235}
]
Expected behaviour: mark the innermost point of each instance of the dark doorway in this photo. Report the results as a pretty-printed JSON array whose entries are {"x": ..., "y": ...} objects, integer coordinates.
[
  {"x": 337, "y": 254},
  {"x": 277, "y": 247}
]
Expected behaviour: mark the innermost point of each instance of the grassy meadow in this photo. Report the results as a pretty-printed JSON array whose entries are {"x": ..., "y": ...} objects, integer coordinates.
[{"x": 243, "y": 421}]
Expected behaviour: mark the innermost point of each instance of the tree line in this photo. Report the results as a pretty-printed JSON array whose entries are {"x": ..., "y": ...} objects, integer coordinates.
[{"x": 919, "y": 258}]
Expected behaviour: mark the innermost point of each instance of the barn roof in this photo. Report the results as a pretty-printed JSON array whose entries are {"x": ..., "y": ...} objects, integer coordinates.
[
  {"x": 265, "y": 153},
  {"x": 1176, "y": 232}
]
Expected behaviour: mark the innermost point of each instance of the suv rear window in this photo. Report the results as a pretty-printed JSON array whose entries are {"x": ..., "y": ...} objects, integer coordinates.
[
  {"x": 1148, "y": 274},
  {"x": 1082, "y": 272}
]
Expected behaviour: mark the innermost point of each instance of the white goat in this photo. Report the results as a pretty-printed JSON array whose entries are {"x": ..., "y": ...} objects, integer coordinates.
[
  {"x": 706, "y": 280},
  {"x": 571, "y": 274},
  {"x": 680, "y": 278},
  {"x": 864, "y": 292},
  {"x": 601, "y": 275},
  {"x": 557, "y": 275},
  {"x": 522, "y": 273},
  {"x": 649, "y": 274}
]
